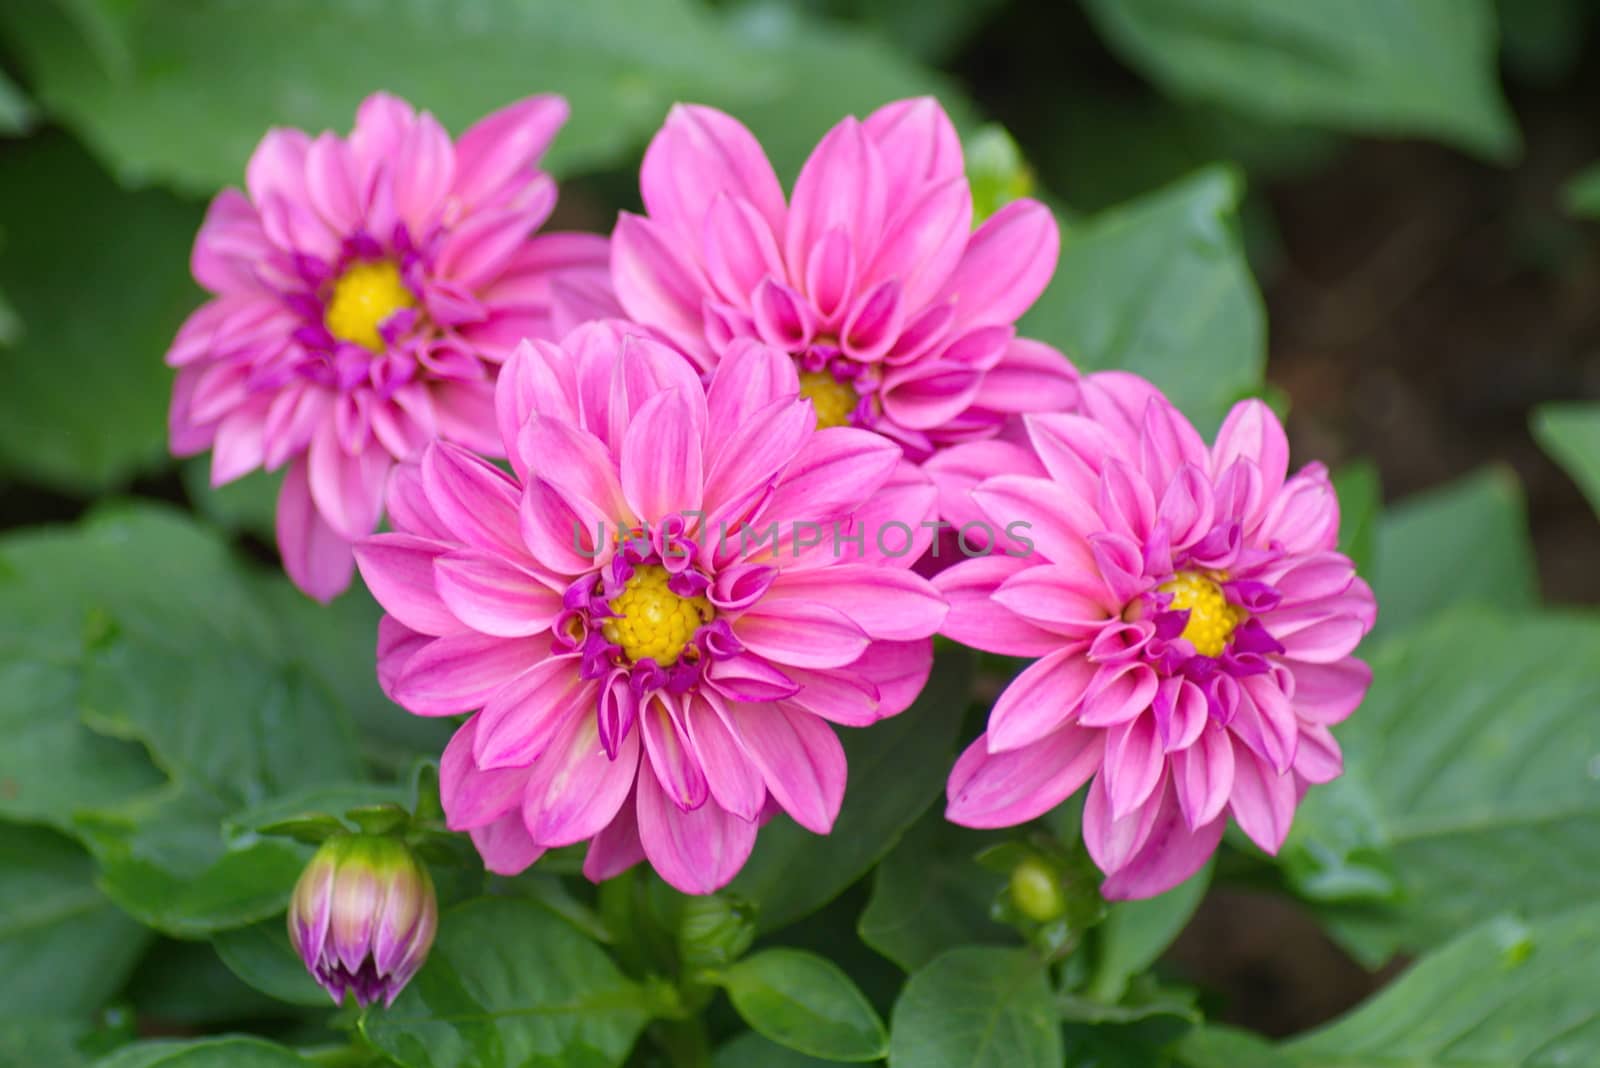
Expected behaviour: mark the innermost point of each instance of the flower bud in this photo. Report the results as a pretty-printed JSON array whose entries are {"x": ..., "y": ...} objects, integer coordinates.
[
  {"x": 714, "y": 931},
  {"x": 363, "y": 917},
  {"x": 1036, "y": 891}
]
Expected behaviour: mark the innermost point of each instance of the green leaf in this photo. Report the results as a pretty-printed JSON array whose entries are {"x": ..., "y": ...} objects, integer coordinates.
[
  {"x": 1582, "y": 194},
  {"x": 1225, "y": 1047},
  {"x": 932, "y": 30},
  {"x": 164, "y": 862},
  {"x": 1422, "y": 68},
  {"x": 977, "y": 1008},
  {"x": 1360, "y": 509},
  {"x": 1135, "y": 933},
  {"x": 28, "y": 1041},
  {"x": 804, "y": 1002},
  {"x": 261, "y": 956},
  {"x": 1464, "y": 543},
  {"x": 16, "y": 114},
  {"x": 508, "y": 985},
  {"x": 104, "y": 277},
  {"x": 897, "y": 768},
  {"x": 1570, "y": 433},
  {"x": 63, "y": 948},
  {"x": 1160, "y": 286},
  {"x": 186, "y": 984},
  {"x": 191, "y": 88},
  {"x": 751, "y": 1050},
  {"x": 151, "y": 627},
  {"x": 205, "y": 1053},
  {"x": 1476, "y": 751},
  {"x": 1542, "y": 40},
  {"x": 929, "y": 895},
  {"x": 1505, "y": 993},
  {"x": 819, "y": 72}
]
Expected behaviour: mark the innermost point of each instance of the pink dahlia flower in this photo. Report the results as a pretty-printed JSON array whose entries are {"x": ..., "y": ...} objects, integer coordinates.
[
  {"x": 647, "y": 666},
  {"x": 1193, "y": 626},
  {"x": 366, "y": 290},
  {"x": 900, "y": 317}
]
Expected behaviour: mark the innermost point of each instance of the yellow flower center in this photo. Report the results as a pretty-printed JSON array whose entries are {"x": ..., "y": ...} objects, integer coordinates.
[
  {"x": 364, "y": 296},
  {"x": 652, "y": 622},
  {"x": 834, "y": 400},
  {"x": 1211, "y": 618}
]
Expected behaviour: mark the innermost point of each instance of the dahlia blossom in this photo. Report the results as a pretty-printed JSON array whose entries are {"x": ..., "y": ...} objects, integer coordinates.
[
  {"x": 658, "y": 619},
  {"x": 1193, "y": 626},
  {"x": 899, "y": 317},
  {"x": 363, "y": 917},
  {"x": 365, "y": 291}
]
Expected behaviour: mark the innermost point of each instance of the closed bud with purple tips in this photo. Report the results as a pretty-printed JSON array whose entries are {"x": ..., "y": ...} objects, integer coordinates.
[{"x": 363, "y": 917}]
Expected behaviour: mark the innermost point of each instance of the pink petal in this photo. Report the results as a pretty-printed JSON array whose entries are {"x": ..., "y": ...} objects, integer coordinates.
[
  {"x": 801, "y": 633},
  {"x": 505, "y": 845},
  {"x": 1252, "y": 432},
  {"x": 616, "y": 848},
  {"x": 1262, "y": 801},
  {"x": 473, "y": 498},
  {"x": 885, "y": 602},
  {"x": 662, "y": 467},
  {"x": 1119, "y": 693},
  {"x": 423, "y": 172},
  {"x": 316, "y": 558},
  {"x": 277, "y": 166},
  {"x": 696, "y": 852},
  {"x": 1327, "y": 693},
  {"x": 899, "y": 670},
  {"x": 493, "y": 596},
  {"x": 459, "y": 672},
  {"x": 397, "y": 644},
  {"x": 1112, "y": 842},
  {"x": 835, "y": 470},
  {"x": 1170, "y": 855},
  {"x": 830, "y": 273},
  {"x": 799, "y": 757},
  {"x": 474, "y": 798},
  {"x": 521, "y": 717},
  {"x": 738, "y": 248},
  {"x": 654, "y": 283},
  {"x": 670, "y": 754},
  {"x": 1318, "y": 759},
  {"x": 918, "y": 142},
  {"x": 1004, "y": 789},
  {"x": 734, "y": 781},
  {"x": 575, "y": 789},
  {"x": 975, "y": 619},
  {"x": 348, "y": 489},
  {"x": 839, "y": 696},
  {"x": 1008, "y": 262},
  {"x": 1202, "y": 775},
  {"x": 1030, "y": 377},
  {"x": 1134, "y": 762},
  {"x": 749, "y": 379},
  {"x": 701, "y": 153},
  {"x": 1039, "y": 700},
  {"x": 506, "y": 145},
  {"x": 398, "y": 571},
  {"x": 577, "y": 463},
  {"x": 1059, "y": 599},
  {"x": 842, "y": 185},
  {"x": 1044, "y": 517}
]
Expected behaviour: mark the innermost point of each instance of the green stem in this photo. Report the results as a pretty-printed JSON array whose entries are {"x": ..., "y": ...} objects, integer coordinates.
[{"x": 683, "y": 1041}]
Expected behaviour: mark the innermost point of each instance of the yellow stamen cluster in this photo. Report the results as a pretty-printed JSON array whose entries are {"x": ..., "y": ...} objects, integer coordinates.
[
  {"x": 835, "y": 401},
  {"x": 1211, "y": 618},
  {"x": 363, "y": 297},
  {"x": 651, "y": 621}
]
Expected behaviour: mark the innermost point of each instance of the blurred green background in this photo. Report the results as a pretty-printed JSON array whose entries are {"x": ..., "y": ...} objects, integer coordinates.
[{"x": 1398, "y": 187}]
